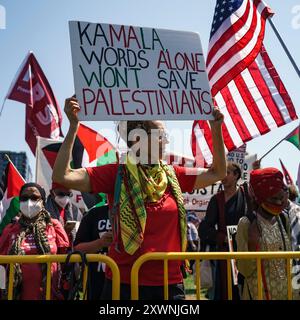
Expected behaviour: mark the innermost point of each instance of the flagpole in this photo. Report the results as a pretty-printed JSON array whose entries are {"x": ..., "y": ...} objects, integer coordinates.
[
  {"x": 7, "y": 157},
  {"x": 271, "y": 149},
  {"x": 2, "y": 107},
  {"x": 9, "y": 160},
  {"x": 284, "y": 47}
]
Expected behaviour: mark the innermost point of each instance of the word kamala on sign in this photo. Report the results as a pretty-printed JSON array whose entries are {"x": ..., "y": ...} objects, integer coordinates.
[{"x": 125, "y": 72}]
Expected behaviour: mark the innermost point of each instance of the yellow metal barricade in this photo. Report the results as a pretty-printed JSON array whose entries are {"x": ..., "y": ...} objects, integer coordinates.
[
  {"x": 165, "y": 257},
  {"x": 48, "y": 259},
  {"x": 197, "y": 256}
]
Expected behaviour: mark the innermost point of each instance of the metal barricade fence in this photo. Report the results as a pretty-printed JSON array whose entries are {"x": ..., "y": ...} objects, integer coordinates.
[
  {"x": 48, "y": 259},
  {"x": 165, "y": 257},
  {"x": 197, "y": 256}
]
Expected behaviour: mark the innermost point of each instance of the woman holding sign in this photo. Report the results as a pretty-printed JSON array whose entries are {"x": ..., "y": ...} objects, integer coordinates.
[{"x": 145, "y": 199}]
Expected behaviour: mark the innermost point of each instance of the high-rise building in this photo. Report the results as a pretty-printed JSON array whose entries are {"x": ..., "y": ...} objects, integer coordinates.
[{"x": 21, "y": 162}]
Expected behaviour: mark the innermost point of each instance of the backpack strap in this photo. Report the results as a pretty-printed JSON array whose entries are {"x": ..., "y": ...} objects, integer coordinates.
[
  {"x": 221, "y": 235},
  {"x": 281, "y": 222},
  {"x": 249, "y": 210},
  {"x": 76, "y": 285}
]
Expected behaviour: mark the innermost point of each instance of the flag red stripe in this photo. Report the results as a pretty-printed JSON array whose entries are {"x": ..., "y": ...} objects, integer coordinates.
[
  {"x": 251, "y": 105},
  {"x": 228, "y": 34},
  {"x": 230, "y": 145},
  {"x": 238, "y": 120},
  {"x": 238, "y": 46},
  {"x": 266, "y": 94},
  {"x": 240, "y": 66},
  {"x": 278, "y": 83}
]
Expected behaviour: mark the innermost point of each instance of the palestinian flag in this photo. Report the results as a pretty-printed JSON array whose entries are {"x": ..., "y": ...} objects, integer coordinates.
[
  {"x": 90, "y": 149},
  {"x": 288, "y": 179},
  {"x": 10, "y": 187},
  {"x": 293, "y": 137}
]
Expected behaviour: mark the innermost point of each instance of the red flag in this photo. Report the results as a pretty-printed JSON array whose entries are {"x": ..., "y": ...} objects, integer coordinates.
[
  {"x": 244, "y": 82},
  {"x": 288, "y": 179},
  {"x": 43, "y": 115}
]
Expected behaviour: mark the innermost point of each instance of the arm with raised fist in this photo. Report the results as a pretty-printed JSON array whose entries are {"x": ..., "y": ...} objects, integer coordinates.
[{"x": 77, "y": 179}]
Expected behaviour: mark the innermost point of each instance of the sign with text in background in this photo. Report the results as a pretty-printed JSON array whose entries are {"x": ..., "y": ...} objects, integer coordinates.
[
  {"x": 199, "y": 199},
  {"x": 231, "y": 233},
  {"x": 129, "y": 73}
]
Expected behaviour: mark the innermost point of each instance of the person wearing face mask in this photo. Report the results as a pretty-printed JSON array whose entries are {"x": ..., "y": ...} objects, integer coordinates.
[
  {"x": 35, "y": 232},
  {"x": 265, "y": 231},
  {"x": 60, "y": 207}
]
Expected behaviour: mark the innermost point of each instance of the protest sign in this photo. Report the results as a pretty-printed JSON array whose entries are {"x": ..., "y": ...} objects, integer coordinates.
[
  {"x": 199, "y": 199},
  {"x": 2, "y": 278},
  {"x": 128, "y": 73},
  {"x": 231, "y": 232}
]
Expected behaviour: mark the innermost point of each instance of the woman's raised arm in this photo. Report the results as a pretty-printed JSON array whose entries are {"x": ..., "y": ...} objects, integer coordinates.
[
  {"x": 218, "y": 169},
  {"x": 76, "y": 179}
]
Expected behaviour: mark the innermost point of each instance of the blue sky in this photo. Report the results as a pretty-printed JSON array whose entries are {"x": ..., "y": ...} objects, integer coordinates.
[{"x": 42, "y": 26}]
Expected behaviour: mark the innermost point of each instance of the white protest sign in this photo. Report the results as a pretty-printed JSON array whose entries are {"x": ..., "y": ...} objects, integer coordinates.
[
  {"x": 231, "y": 231},
  {"x": 129, "y": 73},
  {"x": 199, "y": 199},
  {"x": 2, "y": 278}
]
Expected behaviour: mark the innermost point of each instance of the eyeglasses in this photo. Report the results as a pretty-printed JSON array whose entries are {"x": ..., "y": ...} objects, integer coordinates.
[
  {"x": 160, "y": 134},
  {"x": 32, "y": 197},
  {"x": 64, "y": 194}
]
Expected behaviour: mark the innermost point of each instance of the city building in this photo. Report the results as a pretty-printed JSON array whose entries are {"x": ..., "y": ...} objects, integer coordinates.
[{"x": 21, "y": 162}]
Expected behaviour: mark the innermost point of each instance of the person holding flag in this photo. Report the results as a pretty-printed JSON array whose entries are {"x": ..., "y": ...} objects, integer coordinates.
[
  {"x": 34, "y": 233},
  {"x": 145, "y": 198}
]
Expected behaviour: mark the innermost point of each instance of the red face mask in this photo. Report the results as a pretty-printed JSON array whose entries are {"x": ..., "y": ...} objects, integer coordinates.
[{"x": 271, "y": 208}]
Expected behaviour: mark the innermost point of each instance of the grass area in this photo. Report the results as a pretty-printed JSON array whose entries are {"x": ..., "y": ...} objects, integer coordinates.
[{"x": 190, "y": 289}]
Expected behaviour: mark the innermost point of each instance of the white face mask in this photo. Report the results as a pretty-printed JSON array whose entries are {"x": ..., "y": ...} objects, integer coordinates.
[
  {"x": 31, "y": 208},
  {"x": 62, "y": 201}
]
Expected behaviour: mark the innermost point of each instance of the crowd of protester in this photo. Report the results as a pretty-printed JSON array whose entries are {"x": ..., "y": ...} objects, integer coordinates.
[{"x": 145, "y": 213}]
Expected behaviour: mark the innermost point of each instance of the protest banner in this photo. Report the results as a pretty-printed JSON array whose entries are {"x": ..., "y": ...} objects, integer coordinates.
[
  {"x": 199, "y": 199},
  {"x": 128, "y": 73},
  {"x": 231, "y": 232}
]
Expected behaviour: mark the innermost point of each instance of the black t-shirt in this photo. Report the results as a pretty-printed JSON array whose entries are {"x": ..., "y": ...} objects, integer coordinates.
[
  {"x": 234, "y": 209},
  {"x": 93, "y": 224}
]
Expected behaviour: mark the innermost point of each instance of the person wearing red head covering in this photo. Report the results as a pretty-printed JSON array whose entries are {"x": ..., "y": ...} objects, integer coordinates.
[{"x": 265, "y": 231}]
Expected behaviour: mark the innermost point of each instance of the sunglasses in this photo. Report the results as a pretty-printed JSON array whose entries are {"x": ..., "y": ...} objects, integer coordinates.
[
  {"x": 33, "y": 198},
  {"x": 64, "y": 194}
]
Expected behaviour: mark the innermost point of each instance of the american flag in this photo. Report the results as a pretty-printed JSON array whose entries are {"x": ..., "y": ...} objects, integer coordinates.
[{"x": 244, "y": 82}]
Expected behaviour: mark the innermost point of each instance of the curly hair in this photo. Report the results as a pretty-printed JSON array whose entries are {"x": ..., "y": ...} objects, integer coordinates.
[{"x": 125, "y": 127}]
